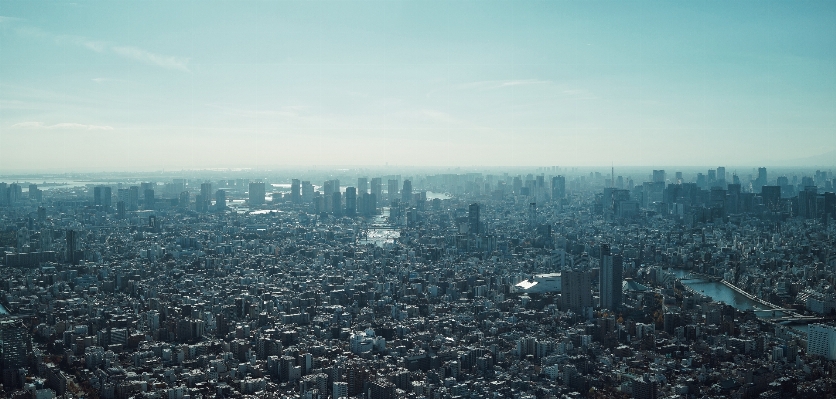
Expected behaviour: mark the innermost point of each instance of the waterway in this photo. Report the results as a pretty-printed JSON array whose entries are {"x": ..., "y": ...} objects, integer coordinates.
[
  {"x": 719, "y": 292},
  {"x": 383, "y": 233}
]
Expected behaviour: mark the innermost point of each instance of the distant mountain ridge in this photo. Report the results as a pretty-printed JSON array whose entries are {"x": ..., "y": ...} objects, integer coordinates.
[{"x": 827, "y": 159}]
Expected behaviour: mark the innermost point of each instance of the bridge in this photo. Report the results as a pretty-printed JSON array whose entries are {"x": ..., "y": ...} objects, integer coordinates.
[{"x": 700, "y": 276}]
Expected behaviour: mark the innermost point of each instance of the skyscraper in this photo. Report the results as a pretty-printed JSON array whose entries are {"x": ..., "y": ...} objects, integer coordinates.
[
  {"x": 473, "y": 218},
  {"x": 558, "y": 187},
  {"x": 133, "y": 198},
  {"x": 72, "y": 247},
  {"x": 15, "y": 345},
  {"x": 295, "y": 192},
  {"x": 611, "y": 279},
  {"x": 575, "y": 287},
  {"x": 393, "y": 190},
  {"x": 102, "y": 197},
  {"x": 328, "y": 192},
  {"x": 257, "y": 193},
  {"x": 205, "y": 194},
  {"x": 149, "y": 198},
  {"x": 307, "y": 191},
  {"x": 406, "y": 193},
  {"x": 350, "y": 201},
  {"x": 220, "y": 200},
  {"x": 362, "y": 185},
  {"x": 659, "y": 176},
  {"x": 377, "y": 189},
  {"x": 336, "y": 203}
]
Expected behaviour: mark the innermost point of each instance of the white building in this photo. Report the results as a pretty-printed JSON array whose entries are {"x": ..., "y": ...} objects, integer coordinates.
[{"x": 821, "y": 341}]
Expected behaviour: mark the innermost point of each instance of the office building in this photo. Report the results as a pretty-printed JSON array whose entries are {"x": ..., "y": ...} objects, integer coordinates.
[
  {"x": 362, "y": 185},
  {"x": 377, "y": 188},
  {"x": 295, "y": 192},
  {"x": 610, "y": 279},
  {"x": 184, "y": 200},
  {"x": 102, "y": 197},
  {"x": 576, "y": 291},
  {"x": 133, "y": 198},
  {"x": 392, "y": 192},
  {"x": 558, "y": 187},
  {"x": 307, "y": 192},
  {"x": 73, "y": 247},
  {"x": 771, "y": 197},
  {"x": 16, "y": 346},
  {"x": 351, "y": 201},
  {"x": 659, "y": 176},
  {"x": 406, "y": 193},
  {"x": 473, "y": 219},
  {"x": 220, "y": 200},
  {"x": 821, "y": 341},
  {"x": 149, "y": 198},
  {"x": 256, "y": 194}
]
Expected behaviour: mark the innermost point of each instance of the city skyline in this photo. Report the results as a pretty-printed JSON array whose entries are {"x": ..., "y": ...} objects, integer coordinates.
[{"x": 94, "y": 86}]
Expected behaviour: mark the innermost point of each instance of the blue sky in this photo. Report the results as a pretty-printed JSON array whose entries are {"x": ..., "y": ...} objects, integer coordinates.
[{"x": 168, "y": 85}]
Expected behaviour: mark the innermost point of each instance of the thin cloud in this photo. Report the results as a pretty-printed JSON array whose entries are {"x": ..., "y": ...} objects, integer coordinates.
[
  {"x": 105, "y": 80},
  {"x": 65, "y": 125},
  {"x": 165, "y": 61},
  {"x": 498, "y": 84},
  {"x": 130, "y": 52}
]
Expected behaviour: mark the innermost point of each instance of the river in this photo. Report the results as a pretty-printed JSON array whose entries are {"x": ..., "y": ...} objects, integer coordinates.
[{"x": 719, "y": 292}]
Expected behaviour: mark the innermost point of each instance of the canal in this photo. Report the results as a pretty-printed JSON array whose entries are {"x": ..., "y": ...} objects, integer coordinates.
[{"x": 719, "y": 292}]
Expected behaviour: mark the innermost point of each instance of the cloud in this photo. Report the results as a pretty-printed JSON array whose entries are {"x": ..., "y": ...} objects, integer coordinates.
[
  {"x": 4, "y": 19},
  {"x": 165, "y": 61},
  {"x": 498, "y": 84},
  {"x": 105, "y": 80},
  {"x": 130, "y": 52},
  {"x": 65, "y": 125}
]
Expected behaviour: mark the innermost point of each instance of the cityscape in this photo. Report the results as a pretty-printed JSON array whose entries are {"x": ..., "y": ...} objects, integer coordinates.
[
  {"x": 419, "y": 199},
  {"x": 555, "y": 283}
]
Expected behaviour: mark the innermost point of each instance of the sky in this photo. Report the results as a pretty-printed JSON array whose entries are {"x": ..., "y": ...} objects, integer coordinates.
[{"x": 124, "y": 86}]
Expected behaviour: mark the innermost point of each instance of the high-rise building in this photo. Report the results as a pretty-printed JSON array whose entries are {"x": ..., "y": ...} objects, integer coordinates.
[
  {"x": 659, "y": 176},
  {"x": 393, "y": 190},
  {"x": 406, "y": 193},
  {"x": 351, "y": 201},
  {"x": 206, "y": 190},
  {"x": 256, "y": 193},
  {"x": 558, "y": 187},
  {"x": 133, "y": 198},
  {"x": 821, "y": 341},
  {"x": 611, "y": 278},
  {"x": 377, "y": 189},
  {"x": 220, "y": 200},
  {"x": 339, "y": 390},
  {"x": 73, "y": 247},
  {"x": 295, "y": 192},
  {"x": 336, "y": 203},
  {"x": 369, "y": 204},
  {"x": 362, "y": 185},
  {"x": 16, "y": 344},
  {"x": 149, "y": 198},
  {"x": 184, "y": 200},
  {"x": 307, "y": 192},
  {"x": 102, "y": 197},
  {"x": 771, "y": 197},
  {"x": 328, "y": 192},
  {"x": 205, "y": 196},
  {"x": 759, "y": 181},
  {"x": 575, "y": 287},
  {"x": 35, "y": 194},
  {"x": 473, "y": 219}
]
